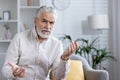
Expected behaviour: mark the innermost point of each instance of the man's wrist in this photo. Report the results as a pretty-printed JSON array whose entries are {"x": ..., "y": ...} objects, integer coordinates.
[{"x": 64, "y": 58}]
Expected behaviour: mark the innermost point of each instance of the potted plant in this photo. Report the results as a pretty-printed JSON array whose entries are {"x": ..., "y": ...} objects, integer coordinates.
[
  {"x": 90, "y": 52},
  {"x": 8, "y": 35}
]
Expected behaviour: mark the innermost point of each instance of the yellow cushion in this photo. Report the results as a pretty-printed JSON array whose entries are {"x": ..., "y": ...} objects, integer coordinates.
[{"x": 76, "y": 71}]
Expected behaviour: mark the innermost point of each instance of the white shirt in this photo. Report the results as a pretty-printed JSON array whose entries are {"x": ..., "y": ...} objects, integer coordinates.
[{"x": 37, "y": 58}]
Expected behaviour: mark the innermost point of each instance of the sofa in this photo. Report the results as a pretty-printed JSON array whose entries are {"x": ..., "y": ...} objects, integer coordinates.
[{"x": 89, "y": 73}]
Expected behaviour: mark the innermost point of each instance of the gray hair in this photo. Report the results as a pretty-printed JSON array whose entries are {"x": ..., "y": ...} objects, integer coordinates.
[{"x": 45, "y": 8}]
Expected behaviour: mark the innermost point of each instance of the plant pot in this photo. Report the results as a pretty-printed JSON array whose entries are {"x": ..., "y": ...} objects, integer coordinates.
[{"x": 8, "y": 35}]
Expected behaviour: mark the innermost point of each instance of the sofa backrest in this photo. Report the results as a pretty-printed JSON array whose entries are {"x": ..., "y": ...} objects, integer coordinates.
[{"x": 86, "y": 66}]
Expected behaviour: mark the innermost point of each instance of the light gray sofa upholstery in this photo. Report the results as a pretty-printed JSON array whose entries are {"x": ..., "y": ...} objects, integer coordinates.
[{"x": 89, "y": 73}]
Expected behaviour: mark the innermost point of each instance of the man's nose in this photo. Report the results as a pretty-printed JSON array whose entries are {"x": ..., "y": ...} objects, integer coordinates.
[{"x": 48, "y": 25}]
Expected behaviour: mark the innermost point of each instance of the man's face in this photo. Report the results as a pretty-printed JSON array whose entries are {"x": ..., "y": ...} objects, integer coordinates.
[{"x": 44, "y": 24}]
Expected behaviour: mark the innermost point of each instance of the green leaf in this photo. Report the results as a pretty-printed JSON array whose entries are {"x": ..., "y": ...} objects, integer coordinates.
[{"x": 90, "y": 52}]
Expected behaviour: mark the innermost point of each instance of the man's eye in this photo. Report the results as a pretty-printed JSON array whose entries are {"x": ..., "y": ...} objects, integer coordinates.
[
  {"x": 44, "y": 21},
  {"x": 51, "y": 23}
]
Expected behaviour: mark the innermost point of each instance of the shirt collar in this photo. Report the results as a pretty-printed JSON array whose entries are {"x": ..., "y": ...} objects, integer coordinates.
[{"x": 34, "y": 32}]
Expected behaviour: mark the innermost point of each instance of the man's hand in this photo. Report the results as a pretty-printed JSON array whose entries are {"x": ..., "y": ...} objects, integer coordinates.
[
  {"x": 17, "y": 71},
  {"x": 70, "y": 50}
]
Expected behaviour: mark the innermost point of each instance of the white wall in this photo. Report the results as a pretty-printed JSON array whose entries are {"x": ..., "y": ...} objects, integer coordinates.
[{"x": 73, "y": 20}]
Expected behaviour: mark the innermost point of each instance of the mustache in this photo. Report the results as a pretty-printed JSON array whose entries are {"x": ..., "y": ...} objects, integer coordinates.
[{"x": 49, "y": 30}]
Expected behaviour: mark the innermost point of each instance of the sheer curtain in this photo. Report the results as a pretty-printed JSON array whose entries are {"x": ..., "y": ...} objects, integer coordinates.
[{"x": 114, "y": 38}]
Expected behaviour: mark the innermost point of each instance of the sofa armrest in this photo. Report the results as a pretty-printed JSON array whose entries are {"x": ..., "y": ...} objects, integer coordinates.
[
  {"x": 96, "y": 75},
  {"x": 89, "y": 73}
]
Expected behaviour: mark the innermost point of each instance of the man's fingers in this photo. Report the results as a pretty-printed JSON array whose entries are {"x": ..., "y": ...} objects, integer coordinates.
[
  {"x": 15, "y": 70},
  {"x": 77, "y": 45},
  {"x": 19, "y": 72},
  {"x": 22, "y": 74},
  {"x": 11, "y": 64},
  {"x": 73, "y": 47}
]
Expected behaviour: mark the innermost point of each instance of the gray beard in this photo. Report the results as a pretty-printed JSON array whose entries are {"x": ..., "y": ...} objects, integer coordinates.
[{"x": 39, "y": 32}]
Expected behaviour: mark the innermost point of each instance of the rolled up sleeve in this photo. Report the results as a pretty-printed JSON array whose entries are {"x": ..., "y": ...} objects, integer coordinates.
[{"x": 60, "y": 67}]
